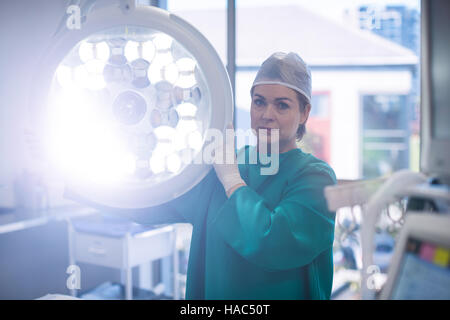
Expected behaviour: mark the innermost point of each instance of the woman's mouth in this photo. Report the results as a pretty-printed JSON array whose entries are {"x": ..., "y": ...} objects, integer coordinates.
[{"x": 265, "y": 130}]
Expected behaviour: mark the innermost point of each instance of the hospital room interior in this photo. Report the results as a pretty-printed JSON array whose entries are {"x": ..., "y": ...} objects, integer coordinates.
[{"x": 106, "y": 111}]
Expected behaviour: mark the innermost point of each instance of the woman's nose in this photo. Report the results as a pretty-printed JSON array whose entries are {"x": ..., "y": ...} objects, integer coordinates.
[{"x": 269, "y": 112}]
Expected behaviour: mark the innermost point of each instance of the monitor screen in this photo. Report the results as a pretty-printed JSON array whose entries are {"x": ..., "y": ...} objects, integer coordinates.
[
  {"x": 435, "y": 96},
  {"x": 440, "y": 68},
  {"x": 424, "y": 272}
]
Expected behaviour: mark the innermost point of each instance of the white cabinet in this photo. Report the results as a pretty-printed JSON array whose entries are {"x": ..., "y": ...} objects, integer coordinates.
[{"x": 124, "y": 251}]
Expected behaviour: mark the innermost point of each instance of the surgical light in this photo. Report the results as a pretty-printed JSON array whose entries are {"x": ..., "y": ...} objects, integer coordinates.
[
  {"x": 90, "y": 50},
  {"x": 186, "y": 109},
  {"x": 127, "y": 101}
]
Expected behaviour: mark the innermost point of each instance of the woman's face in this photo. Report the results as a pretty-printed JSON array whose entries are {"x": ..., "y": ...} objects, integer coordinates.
[{"x": 277, "y": 107}]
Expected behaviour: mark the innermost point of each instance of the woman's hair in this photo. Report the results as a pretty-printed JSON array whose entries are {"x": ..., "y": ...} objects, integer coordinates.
[{"x": 303, "y": 102}]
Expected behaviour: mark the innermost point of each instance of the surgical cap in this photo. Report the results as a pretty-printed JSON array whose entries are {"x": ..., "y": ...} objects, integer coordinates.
[{"x": 286, "y": 69}]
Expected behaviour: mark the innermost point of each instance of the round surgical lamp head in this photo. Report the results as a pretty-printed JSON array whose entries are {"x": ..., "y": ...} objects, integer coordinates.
[{"x": 126, "y": 101}]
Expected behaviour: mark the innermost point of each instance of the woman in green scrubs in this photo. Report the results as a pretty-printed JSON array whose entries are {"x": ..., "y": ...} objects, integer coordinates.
[{"x": 261, "y": 236}]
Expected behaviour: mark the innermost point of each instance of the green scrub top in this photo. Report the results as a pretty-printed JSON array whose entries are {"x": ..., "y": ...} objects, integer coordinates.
[{"x": 272, "y": 239}]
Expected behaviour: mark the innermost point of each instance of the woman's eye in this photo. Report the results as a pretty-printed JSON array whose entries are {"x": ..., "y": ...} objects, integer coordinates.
[
  {"x": 258, "y": 102},
  {"x": 283, "y": 106}
]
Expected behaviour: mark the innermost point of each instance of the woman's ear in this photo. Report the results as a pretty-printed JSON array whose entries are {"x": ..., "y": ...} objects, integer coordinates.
[{"x": 305, "y": 114}]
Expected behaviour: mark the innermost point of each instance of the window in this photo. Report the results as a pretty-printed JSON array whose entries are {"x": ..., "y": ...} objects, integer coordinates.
[
  {"x": 208, "y": 17},
  {"x": 317, "y": 139},
  {"x": 385, "y": 134},
  {"x": 364, "y": 58}
]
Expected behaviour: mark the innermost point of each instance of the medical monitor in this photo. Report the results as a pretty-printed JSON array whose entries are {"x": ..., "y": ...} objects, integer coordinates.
[
  {"x": 435, "y": 93},
  {"x": 420, "y": 268}
]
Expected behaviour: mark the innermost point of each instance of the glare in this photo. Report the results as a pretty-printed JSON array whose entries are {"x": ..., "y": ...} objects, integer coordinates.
[
  {"x": 81, "y": 76},
  {"x": 186, "y": 126},
  {"x": 64, "y": 76},
  {"x": 109, "y": 163},
  {"x": 186, "y": 109},
  {"x": 86, "y": 139},
  {"x": 187, "y": 156},
  {"x": 186, "y": 81},
  {"x": 164, "y": 148},
  {"x": 179, "y": 141},
  {"x": 89, "y": 51},
  {"x": 148, "y": 51},
  {"x": 81, "y": 141},
  {"x": 90, "y": 75},
  {"x": 164, "y": 133},
  {"x": 126, "y": 163},
  {"x": 164, "y": 58},
  {"x": 132, "y": 50},
  {"x": 173, "y": 163},
  {"x": 157, "y": 163},
  {"x": 135, "y": 50},
  {"x": 156, "y": 68},
  {"x": 102, "y": 51},
  {"x": 92, "y": 150},
  {"x": 86, "y": 51},
  {"x": 195, "y": 140},
  {"x": 95, "y": 66},
  {"x": 186, "y": 65},
  {"x": 171, "y": 73},
  {"x": 162, "y": 41}
]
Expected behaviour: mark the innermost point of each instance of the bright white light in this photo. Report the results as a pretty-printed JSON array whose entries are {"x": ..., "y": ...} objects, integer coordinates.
[
  {"x": 85, "y": 137},
  {"x": 186, "y": 109},
  {"x": 186, "y": 126},
  {"x": 64, "y": 76},
  {"x": 109, "y": 162},
  {"x": 186, "y": 65},
  {"x": 89, "y": 51},
  {"x": 186, "y": 82},
  {"x": 95, "y": 70},
  {"x": 164, "y": 148},
  {"x": 155, "y": 73},
  {"x": 157, "y": 67},
  {"x": 157, "y": 163},
  {"x": 164, "y": 133},
  {"x": 80, "y": 76},
  {"x": 179, "y": 141},
  {"x": 187, "y": 156},
  {"x": 90, "y": 75},
  {"x": 163, "y": 58},
  {"x": 126, "y": 163},
  {"x": 195, "y": 140},
  {"x": 84, "y": 145},
  {"x": 162, "y": 41},
  {"x": 86, "y": 51},
  {"x": 148, "y": 51},
  {"x": 173, "y": 163},
  {"x": 102, "y": 51},
  {"x": 171, "y": 73},
  {"x": 132, "y": 50},
  {"x": 95, "y": 66}
]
